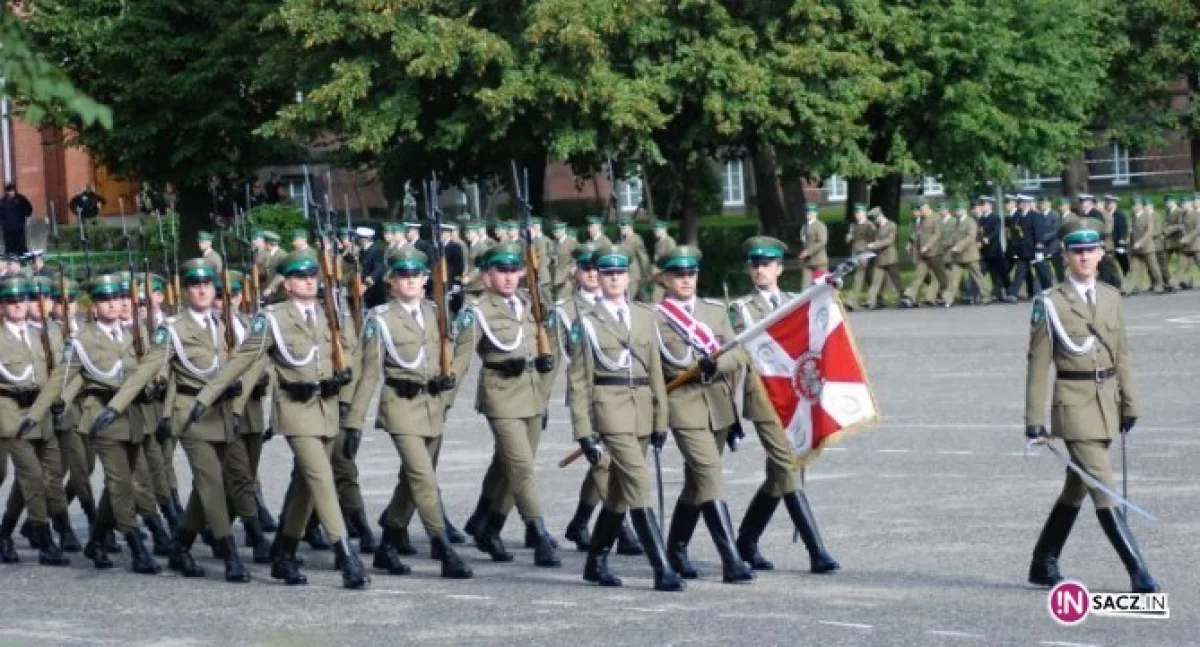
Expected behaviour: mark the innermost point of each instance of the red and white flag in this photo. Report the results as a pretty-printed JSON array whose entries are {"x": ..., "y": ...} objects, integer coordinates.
[{"x": 805, "y": 355}]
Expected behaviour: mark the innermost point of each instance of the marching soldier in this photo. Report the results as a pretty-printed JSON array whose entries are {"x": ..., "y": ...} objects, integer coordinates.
[
  {"x": 1110, "y": 270},
  {"x": 813, "y": 257},
  {"x": 764, "y": 261},
  {"x": 192, "y": 344},
  {"x": 1143, "y": 256},
  {"x": 401, "y": 345},
  {"x": 595, "y": 231},
  {"x": 887, "y": 260},
  {"x": 926, "y": 250},
  {"x": 25, "y": 435},
  {"x": 295, "y": 337},
  {"x": 1160, "y": 242},
  {"x": 562, "y": 248},
  {"x": 205, "y": 241},
  {"x": 964, "y": 254},
  {"x": 663, "y": 243},
  {"x": 501, "y": 329},
  {"x": 102, "y": 357},
  {"x": 1189, "y": 243},
  {"x": 1079, "y": 329},
  {"x": 701, "y": 411},
  {"x": 618, "y": 401},
  {"x": 861, "y": 234},
  {"x": 634, "y": 249},
  {"x": 595, "y": 482},
  {"x": 1053, "y": 221}
]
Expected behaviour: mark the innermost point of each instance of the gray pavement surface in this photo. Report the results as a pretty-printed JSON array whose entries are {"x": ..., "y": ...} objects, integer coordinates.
[{"x": 933, "y": 515}]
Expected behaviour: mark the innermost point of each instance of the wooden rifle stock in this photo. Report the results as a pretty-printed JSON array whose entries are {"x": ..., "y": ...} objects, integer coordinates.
[
  {"x": 535, "y": 295},
  {"x": 356, "y": 303},
  {"x": 66, "y": 306},
  {"x": 443, "y": 322},
  {"x": 46, "y": 347},
  {"x": 139, "y": 345},
  {"x": 227, "y": 310},
  {"x": 255, "y": 289},
  {"x": 339, "y": 359}
]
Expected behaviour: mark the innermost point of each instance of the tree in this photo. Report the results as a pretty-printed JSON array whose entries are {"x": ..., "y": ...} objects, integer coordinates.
[
  {"x": 184, "y": 84},
  {"x": 41, "y": 87}
]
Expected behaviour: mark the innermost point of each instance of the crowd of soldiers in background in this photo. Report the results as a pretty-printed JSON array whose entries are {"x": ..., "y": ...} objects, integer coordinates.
[{"x": 974, "y": 255}]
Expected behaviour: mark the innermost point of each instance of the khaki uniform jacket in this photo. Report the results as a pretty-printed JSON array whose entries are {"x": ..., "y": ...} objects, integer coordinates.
[
  {"x": 254, "y": 410},
  {"x": 696, "y": 405},
  {"x": 966, "y": 240},
  {"x": 816, "y": 237},
  {"x": 298, "y": 354},
  {"x": 1080, "y": 409},
  {"x": 602, "y": 239},
  {"x": 1142, "y": 235},
  {"x": 743, "y": 313},
  {"x": 860, "y": 235},
  {"x": 473, "y": 276},
  {"x": 566, "y": 313},
  {"x": 1175, "y": 227},
  {"x": 563, "y": 264},
  {"x": 1156, "y": 223},
  {"x": 947, "y": 235},
  {"x": 488, "y": 327},
  {"x": 96, "y": 361},
  {"x": 193, "y": 354},
  {"x": 885, "y": 244},
  {"x": 926, "y": 239},
  {"x": 392, "y": 335},
  {"x": 661, "y": 247},
  {"x": 23, "y": 369},
  {"x": 214, "y": 259},
  {"x": 1190, "y": 242},
  {"x": 639, "y": 261},
  {"x": 598, "y": 344}
]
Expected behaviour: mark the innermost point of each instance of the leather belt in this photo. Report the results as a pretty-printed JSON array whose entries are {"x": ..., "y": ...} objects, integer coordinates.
[
  {"x": 408, "y": 389},
  {"x": 23, "y": 397},
  {"x": 514, "y": 367},
  {"x": 231, "y": 392},
  {"x": 613, "y": 380},
  {"x": 98, "y": 392},
  {"x": 305, "y": 391},
  {"x": 1098, "y": 375}
]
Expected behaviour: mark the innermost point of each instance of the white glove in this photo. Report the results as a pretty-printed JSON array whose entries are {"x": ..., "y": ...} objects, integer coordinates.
[{"x": 1038, "y": 257}]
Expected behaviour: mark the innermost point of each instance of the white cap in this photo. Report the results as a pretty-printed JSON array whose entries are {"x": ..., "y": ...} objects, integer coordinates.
[{"x": 364, "y": 232}]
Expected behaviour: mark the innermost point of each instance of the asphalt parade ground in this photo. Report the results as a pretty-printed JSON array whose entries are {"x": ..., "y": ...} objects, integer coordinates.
[{"x": 933, "y": 515}]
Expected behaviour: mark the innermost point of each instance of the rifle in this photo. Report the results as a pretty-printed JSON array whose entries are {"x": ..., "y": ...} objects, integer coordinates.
[
  {"x": 335, "y": 328},
  {"x": 46, "y": 347},
  {"x": 531, "y": 260},
  {"x": 226, "y": 300},
  {"x": 152, "y": 311},
  {"x": 139, "y": 345},
  {"x": 438, "y": 266},
  {"x": 356, "y": 285}
]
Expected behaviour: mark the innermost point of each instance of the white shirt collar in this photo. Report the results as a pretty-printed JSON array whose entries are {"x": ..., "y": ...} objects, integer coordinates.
[
  {"x": 618, "y": 311},
  {"x": 201, "y": 318},
  {"x": 16, "y": 329},
  {"x": 1082, "y": 288},
  {"x": 304, "y": 310},
  {"x": 112, "y": 329},
  {"x": 689, "y": 305},
  {"x": 590, "y": 297},
  {"x": 767, "y": 293}
]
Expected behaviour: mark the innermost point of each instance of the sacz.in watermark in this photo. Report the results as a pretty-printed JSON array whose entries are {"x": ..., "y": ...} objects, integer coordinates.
[{"x": 1070, "y": 603}]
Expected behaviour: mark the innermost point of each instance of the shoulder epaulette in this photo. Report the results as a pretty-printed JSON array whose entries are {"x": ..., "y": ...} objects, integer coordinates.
[
  {"x": 271, "y": 308},
  {"x": 1107, "y": 287},
  {"x": 172, "y": 320},
  {"x": 740, "y": 302},
  {"x": 647, "y": 306},
  {"x": 380, "y": 309},
  {"x": 716, "y": 302}
]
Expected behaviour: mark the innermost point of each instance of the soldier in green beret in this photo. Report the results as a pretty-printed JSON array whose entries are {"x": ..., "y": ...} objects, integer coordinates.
[
  {"x": 764, "y": 262},
  {"x": 1143, "y": 258},
  {"x": 205, "y": 242},
  {"x": 632, "y": 246},
  {"x": 815, "y": 236},
  {"x": 595, "y": 231},
  {"x": 861, "y": 233},
  {"x": 561, "y": 249},
  {"x": 663, "y": 243}
]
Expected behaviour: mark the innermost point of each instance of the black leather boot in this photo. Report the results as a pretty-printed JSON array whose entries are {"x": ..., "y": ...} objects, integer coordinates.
[
  {"x": 158, "y": 534},
  {"x": 545, "y": 551},
  {"x": 1117, "y": 530},
  {"x": 820, "y": 561},
  {"x": 478, "y": 517},
  {"x": 532, "y": 539},
  {"x": 354, "y": 575},
  {"x": 314, "y": 534},
  {"x": 366, "y": 538},
  {"x": 758, "y": 515},
  {"x": 283, "y": 560},
  {"x": 265, "y": 520},
  {"x": 627, "y": 542},
  {"x": 351, "y": 529},
  {"x": 646, "y": 526},
  {"x": 453, "y": 567},
  {"x": 172, "y": 520},
  {"x": 8, "y": 550},
  {"x": 1043, "y": 569},
  {"x": 720, "y": 526},
  {"x": 577, "y": 528},
  {"x": 257, "y": 540},
  {"x": 94, "y": 550},
  {"x": 67, "y": 538},
  {"x": 453, "y": 535},
  {"x": 235, "y": 570},
  {"x": 181, "y": 560},
  {"x": 386, "y": 557},
  {"x": 49, "y": 553},
  {"x": 595, "y": 569},
  {"x": 27, "y": 531},
  {"x": 403, "y": 543},
  {"x": 683, "y": 525},
  {"x": 140, "y": 559},
  {"x": 488, "y": 538}
]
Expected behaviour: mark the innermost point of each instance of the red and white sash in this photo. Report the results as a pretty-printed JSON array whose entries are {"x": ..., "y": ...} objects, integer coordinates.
[{"x": 697, "y": 334}]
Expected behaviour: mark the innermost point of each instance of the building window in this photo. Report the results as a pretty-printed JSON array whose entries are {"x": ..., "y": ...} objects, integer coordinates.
[
  {"x": 733, "y": 184},
  {"x": 836, "y": 188},
  {"x": 1028, "y": 180},
  {"x": 1120, "y": 162},
  {"x": 931, "y": 187},
  {"x": 629, "y": 194}
]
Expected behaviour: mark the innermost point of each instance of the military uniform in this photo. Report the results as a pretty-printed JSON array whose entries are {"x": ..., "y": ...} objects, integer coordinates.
[
  {"x": 887, "y": 261},
  {"x": 1189, "y": 245},
  {"x": 701, "y": 413},
  {"x": 662, "y": 245},
  {"x": 964, "y": 254},
  {"x": 815, "y": 238},
  {"x": 617, "y": 396},
  {"x": 26, "y": 436},
  {"x": 562, "y": 249},
  {"x": 296, "y": 337},
  {"x": 927, "y": 248},
  {"x": 634, "y": 249},
  {"x": 512, "y": 395},
  {"x": 860, "y": 235},
  {"x": 1143, "y": 253},
  {"x": 1079, "y": 329}
]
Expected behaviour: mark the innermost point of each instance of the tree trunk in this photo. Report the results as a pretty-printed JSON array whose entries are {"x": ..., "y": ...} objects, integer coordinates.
[
  {"x": 771, "y": 209},
  {"x": 689, "y": 229},
  {"x": 857, "y": 192},
  {"x": 888, "y": 191},
  {"x": 1075, "y": 177},
  {"x": 194, "y": 209}
]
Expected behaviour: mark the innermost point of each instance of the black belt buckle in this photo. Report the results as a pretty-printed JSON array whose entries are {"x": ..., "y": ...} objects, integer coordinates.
[
  {"x": 329, "y": 387},
  {"x": 1100, "y": 375}
]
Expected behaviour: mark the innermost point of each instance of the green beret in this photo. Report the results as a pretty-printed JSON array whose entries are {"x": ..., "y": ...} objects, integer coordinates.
[
  {"x": 392, "y": 227},
  {"x": 159, "y": 283},
  {"x": 302, "y": 262},
  {"x": 609, "y": 257},
  {"x": 474, "y": 226},
  {"x": 1079, "y": 234},
  {"x": 658, "y": 224},
  {"x": 764, "y": 247},
  {"x": 125, "y": 282},
  {"x": 235, "y": 279},
  {"x": 72, "y": 289},
  {"x": 509, "y": 254},
  {"x": 624, "y": 221},
  {"x": 943, "y": 205},
  {"x": 407, "y": 259},
  {"x": 205, "y": 237},
  {"x": 43, "y": 285},
  {"x": 104, "y": 285},
  {"x": 510, "y": 225},
  {"x": 256, "y": 233},
  {"x": 197, "y": 269},
  {"x": 811, "y": 207},
  {"x": 595, "y": 220},
  {"x": 858, "y": 206},
  {"x": 534, "y": 220},
  {"x": 960, "y": 204},
  {"x": 270, "y": 236},
  {"x": 1064, "y": 200},
  {"x": 583, "y": 254},
  {"x": 412, "y": 224},
  {"x": 558, "y": 225},
  {"x": 15, "y": 288},
  {"x": 682, "y": 257}
]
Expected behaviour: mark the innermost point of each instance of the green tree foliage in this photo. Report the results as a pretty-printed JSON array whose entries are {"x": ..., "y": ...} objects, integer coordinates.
[{"x": 40, "y": 86}]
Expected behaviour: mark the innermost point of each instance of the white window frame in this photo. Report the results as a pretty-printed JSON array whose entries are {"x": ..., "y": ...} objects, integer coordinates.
[
  {"x": 630, "y": 194},
  {"x": 1028, "y": 180},
  {"x": 733, "y": 194},
  {"x": 837, "y": 189},
  {"x": 931, "y": 187},
  {"x": 1120, "y": 165}
]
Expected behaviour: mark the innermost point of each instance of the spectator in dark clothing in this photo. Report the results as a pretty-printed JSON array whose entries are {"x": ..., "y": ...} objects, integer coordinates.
[
  {"x": 15, "y": 209},
  {"x": 86, "y": 204}
]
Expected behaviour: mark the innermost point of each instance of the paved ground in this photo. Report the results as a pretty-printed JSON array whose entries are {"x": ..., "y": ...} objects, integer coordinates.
[{"x": 933, "y": 515}]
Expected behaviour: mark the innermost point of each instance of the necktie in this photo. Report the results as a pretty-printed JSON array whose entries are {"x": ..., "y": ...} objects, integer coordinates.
[
  {"x": 116, "y": 334},
  {"x": 774, "y": 301},
  {"x": 310, "y": 318},
  {"x": 621, "y": 318},
  {"x": 415, "y": 313},
  {"x": 1091, "y": 300},
  {"x": 25, "y": 338},
  {"x": 516, "y": 306},
  {"x": 688, "y": 308}
]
